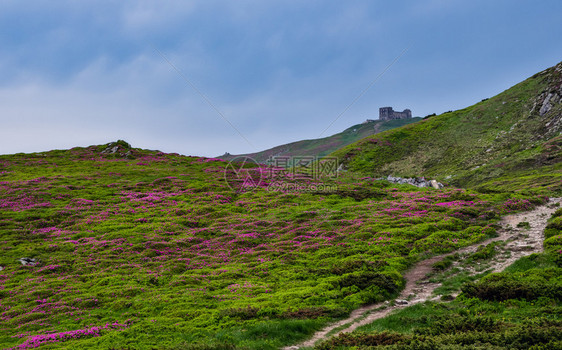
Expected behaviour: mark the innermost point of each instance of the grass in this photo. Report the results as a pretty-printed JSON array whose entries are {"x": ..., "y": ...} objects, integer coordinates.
[
  {"x": 498, "y": 145},
  {"x": 453, "y": 271},
  {"x": 324, "y": 146},
  {"x": 518, "y": 308},
  {"x": 141, "y": 249}
]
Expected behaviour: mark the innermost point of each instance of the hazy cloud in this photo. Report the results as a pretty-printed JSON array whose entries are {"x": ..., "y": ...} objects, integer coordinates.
[{"x": 78, "y": 73}]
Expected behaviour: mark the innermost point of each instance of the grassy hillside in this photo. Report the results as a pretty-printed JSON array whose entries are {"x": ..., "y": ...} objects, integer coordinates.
[
  {"x": 518, "y": 308},
  {"x": 128, "y": 248},
  {"x": 324, "y": 146},
  {"x": 138, "y": 249},
  {"x": 509, "y": 142}
]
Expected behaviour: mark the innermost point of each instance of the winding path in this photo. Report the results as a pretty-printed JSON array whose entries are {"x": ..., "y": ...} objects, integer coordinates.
[{"x": 520, "y": 242}]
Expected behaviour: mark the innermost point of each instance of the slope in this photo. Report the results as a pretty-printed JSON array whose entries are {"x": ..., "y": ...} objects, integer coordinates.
[
  {"x": 113, "y": 247},
  {"x": 517, "y": 308},
  {"x": 324, "y": 146},
  {"x": 509, "y": 142}
]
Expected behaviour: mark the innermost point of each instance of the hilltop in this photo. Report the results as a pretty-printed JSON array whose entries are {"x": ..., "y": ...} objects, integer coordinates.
[
  {"x": 511, "y": 141},
  {"x": 324, "y": 146}
]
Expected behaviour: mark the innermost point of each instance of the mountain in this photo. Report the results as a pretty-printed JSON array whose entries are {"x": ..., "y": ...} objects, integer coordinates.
[
  {"x": 324, "y": 146},
  {"x": 113, "y": 247},
  {"x": 509, "y": 142}
]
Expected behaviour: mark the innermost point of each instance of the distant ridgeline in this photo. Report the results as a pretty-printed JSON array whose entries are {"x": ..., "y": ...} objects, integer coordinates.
[{"x": 326, "y": 145}]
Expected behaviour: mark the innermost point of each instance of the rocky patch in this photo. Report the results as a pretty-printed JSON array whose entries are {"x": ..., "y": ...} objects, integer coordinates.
[
  {"x": 414, "y": 181},
  {"x": 28, "y": 261}
]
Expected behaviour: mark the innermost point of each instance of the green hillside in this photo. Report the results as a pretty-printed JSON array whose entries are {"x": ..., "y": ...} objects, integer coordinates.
[
  {"x": 113, "y": 247},
  {"x": 508, "y": 142},
  {"x": 324, "y": 146},
  {"x": 517, "y": 308}
]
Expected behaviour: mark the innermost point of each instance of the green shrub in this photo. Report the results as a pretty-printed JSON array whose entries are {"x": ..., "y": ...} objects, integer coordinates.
[
  {"x": 355, "y": 265},
  {"x": 553, "y": 246},
  {"x": 364, "y": 280},
  {"x": 554, "y": 227},
  {"x": 196, "y": 346},
  {"x": 362, "y": 194},
  {"x": 524, "y": 224},
  {"x": 504, "y": 286},
  {"x": 363, "y": 339},
  {"x": 442, "y": 265},
  {"x": 553, "y": 243},
  {"x": 315, "y": 312},
  {"x": 244, "y": 313},
  {"x": 484, "y": 252},
  {"x": 452, "y": 324}
]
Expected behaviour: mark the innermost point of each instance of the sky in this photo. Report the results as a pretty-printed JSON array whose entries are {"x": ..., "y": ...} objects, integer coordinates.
[{"x": 208, "y": 77}]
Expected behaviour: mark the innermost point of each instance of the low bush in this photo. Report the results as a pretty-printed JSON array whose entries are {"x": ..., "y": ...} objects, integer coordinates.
[
  {"x": 363, "y": 339},
  {"x": 452, "y": 324},
  {"x": 484, "y": 252},
  {"x": 553, "y": 246},
  {"x": 442, "y": 265},
  {"x": 364, "y": 280},
  {"x": 524, "y": 224},
  {"x": 315, "y": 312},
  {"x": 243, "y": 313},
  {"x": 355, "y": 265},
  {"x": 503, "y": 286},
  {"x": 554, "y": 227}
]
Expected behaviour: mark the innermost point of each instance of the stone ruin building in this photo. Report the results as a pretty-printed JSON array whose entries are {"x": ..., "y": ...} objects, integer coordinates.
[{"x": 387, "y": 113}]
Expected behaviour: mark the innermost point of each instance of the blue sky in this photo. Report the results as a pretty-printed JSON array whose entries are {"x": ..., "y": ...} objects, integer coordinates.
[{"x": 89, "y": 72}]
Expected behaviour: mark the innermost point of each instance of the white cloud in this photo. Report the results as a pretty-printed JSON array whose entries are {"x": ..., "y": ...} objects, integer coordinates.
[
  {"x": 76, "y": 73},
  {"x": 145, "y": 16}
]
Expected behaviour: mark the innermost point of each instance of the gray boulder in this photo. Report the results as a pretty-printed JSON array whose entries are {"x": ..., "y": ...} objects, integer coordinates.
[
  {"x": 28, "y": 261},
  {"x": 415, "y": 181},
  {"x": 435, "y": 184}
]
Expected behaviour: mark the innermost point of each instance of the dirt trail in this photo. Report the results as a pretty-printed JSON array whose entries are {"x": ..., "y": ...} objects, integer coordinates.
[{"x": 520, "y": 242}]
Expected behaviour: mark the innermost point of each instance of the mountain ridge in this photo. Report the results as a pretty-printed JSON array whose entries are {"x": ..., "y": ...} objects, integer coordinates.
[
  {"x": 510, "y": 140},
  {"x": 324, "y": 146}
]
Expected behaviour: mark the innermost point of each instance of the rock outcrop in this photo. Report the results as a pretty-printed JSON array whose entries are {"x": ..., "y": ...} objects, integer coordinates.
[
  {"x": 28, "y": 261},
  {"x": 414, "y": 181},
  {"x": 119, "y": 148}
]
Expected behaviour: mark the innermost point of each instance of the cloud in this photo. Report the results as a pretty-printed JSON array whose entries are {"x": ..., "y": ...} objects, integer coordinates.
[{"x": 75, "y": 73}]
